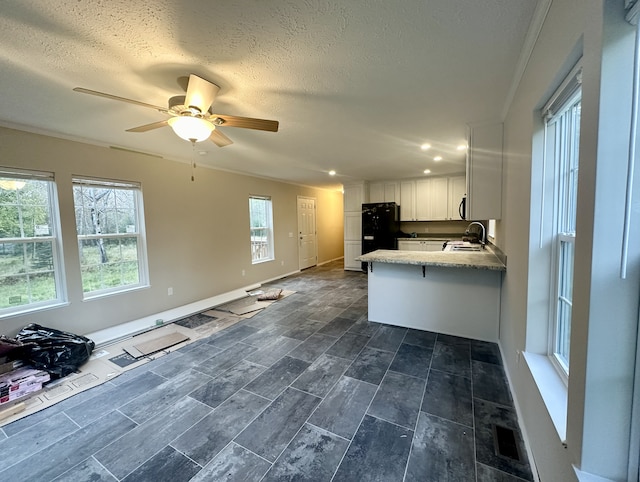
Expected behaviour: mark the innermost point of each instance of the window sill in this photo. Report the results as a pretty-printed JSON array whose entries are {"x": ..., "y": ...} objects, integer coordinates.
[
  {"x": 105, "y": 294},
  {"x": 260, "y": 261},
  {"x": 552, "y": 390},
  {"x": 26, "y": 311}
]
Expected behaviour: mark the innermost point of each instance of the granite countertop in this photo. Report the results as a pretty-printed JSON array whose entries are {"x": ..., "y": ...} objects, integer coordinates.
[{"x": 448, "y": 259}]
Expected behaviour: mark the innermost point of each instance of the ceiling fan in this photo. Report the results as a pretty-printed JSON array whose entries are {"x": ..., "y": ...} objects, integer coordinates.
[{"x": 191, "y": 117}]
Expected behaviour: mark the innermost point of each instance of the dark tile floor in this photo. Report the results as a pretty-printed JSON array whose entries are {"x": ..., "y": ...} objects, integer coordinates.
[{"x": 306, "y": 390}]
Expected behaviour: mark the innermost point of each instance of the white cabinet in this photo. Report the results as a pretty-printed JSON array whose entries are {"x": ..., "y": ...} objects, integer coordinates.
[
  {"x": 423, "y": 197},
  {"x": 439, "y": 198},
  {"x": 352, "y": 226},
  {"x": 431, "y": 199},
  {"x": 408, "y": 246},
  {"x": 457, "y": 190},
  {"x": 355, "y": 195},
  {"x": 432, "y": 245},
  {"x": 408, "y": 201},
  {"x": 484, "y": 172},
  {"x": 391, "y": 192},
  {"x": 352, "y": 249},
  {"x": 384, "y": 192},
  {"x": 376, "y": 192},
  {"x": 420, "y": 245}
]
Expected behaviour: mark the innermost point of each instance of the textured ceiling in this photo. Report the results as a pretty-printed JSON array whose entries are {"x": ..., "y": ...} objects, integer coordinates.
[{"x": 357, "y": 86}]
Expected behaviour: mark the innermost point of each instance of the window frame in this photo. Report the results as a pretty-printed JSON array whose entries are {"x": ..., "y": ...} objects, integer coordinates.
[
  {"x": 139, "y": 235},
  {"x": 563, "y": 158},
  {"x": 54, "y": 238},
  {"x": 270, "y": 248}
]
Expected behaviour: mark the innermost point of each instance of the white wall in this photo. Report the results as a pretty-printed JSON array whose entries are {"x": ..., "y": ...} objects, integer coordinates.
[
  {"x": 197, "y": 232},
  {"x": 605, "y": 308}
]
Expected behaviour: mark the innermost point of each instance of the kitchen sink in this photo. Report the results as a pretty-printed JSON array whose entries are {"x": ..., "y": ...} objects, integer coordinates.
[
  {"x": 462, "y": 246},
  {"x": 465, "y": 248}
]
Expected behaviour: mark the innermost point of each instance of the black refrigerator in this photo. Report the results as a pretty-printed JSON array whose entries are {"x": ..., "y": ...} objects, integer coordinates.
[{"x": 380, "y": 226}]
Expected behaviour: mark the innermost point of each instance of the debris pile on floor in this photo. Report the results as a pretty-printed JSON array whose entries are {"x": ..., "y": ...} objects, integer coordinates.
[{"x": 35, "y": 357}]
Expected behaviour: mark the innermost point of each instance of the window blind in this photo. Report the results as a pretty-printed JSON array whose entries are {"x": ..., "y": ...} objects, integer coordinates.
[
  {"x": 569, "y": 86},
  {"x": 23, "y": 174},
  {"x": 106, "y": 184}
]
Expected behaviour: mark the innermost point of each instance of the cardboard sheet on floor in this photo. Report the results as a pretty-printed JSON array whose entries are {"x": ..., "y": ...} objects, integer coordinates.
[
  {"x": 156, "y": 344},
  {"x": 242, "y": 310}
]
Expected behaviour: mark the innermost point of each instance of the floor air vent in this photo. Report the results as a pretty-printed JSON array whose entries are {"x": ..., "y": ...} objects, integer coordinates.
[{"x": 505, "y": 442}]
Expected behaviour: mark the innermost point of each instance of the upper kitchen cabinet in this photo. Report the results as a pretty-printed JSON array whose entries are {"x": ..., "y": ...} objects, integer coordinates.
[
  {"x": 355, "y": 195},
  {"x": 408, "y": 201},
  {"x": 484, "y": 172},
  {"x": 384, "y": 192},
  {"x": 431, "y": 199},
  {"x": 423, "y": 200},
  {"x": 457, "y": 191},
  {"x": 439, "y": 198}
]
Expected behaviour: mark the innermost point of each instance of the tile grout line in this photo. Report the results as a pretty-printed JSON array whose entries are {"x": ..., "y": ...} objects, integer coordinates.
[
  {"x": 366, "y": 411},
  {"x": 473, "y": 417},
  {"x": 424, "y": 393},
  {"x": 321, "y": 399}
]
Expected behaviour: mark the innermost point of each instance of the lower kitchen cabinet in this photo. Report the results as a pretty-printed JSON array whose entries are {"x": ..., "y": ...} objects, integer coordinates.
[
  {"x": 352, "y": 249},
  {"x": 420, "y": 245}
]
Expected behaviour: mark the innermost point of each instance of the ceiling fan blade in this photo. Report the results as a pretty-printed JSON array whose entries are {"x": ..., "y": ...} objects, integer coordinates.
[
  {"x": 200, "y": 93},
  {"x": 148, "y": 127},
  {"x": 247, "y": 122},
  {"x": 219, "y": 139},
  {"x": 121, "y": 99}
]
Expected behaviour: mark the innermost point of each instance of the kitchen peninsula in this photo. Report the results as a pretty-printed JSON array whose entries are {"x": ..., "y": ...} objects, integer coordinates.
[{"x": 456, "y": 293}]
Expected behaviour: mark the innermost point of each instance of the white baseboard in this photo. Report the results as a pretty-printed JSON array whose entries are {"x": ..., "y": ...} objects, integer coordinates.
[
  {"x": 134, "y": 327},
  {"x": 331, "y": 260},
  {"x": 525, "y": 437}
]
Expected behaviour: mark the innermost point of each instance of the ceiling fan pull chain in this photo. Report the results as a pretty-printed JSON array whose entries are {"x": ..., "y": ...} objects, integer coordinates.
[{"x": 193, "y": 163}]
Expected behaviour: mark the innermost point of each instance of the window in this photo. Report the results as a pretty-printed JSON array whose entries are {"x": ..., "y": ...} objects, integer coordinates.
[
  {"x": 261, "y": 221},
  {"x": 30, "y": 246},
  {"x": 109, "y": 223},
  {"x": 562, "y": 136}
]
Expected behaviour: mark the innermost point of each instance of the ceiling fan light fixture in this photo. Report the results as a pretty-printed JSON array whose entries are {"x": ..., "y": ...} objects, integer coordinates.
[{"x": 193, "y": 129}]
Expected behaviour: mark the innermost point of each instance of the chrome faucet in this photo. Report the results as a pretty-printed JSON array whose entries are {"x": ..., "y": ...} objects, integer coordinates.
[{"x": 483, "y": 239}]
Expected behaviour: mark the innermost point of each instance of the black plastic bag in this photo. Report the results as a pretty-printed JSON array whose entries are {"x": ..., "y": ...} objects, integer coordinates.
[{"x": 57, "y": 352}]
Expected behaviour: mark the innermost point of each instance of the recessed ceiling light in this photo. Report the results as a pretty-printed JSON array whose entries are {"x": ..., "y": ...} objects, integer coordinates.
[
  {"x": 425, "y": 147},
  {"x": 437, "y": 158},
  {"x": 462, "y": 147},
  {"x": 427, "y": 171},
  {"x": 332, "y": 172}
]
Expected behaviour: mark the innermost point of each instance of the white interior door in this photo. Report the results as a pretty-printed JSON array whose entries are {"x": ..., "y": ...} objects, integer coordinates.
[{"x": 307, "y": 243}]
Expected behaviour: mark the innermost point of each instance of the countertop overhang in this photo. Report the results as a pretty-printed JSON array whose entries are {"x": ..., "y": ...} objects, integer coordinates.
[{"x": 485, "y": 259}]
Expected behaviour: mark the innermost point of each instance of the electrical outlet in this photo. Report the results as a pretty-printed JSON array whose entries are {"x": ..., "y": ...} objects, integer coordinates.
[
  {"x": 291, "y": 235},
  {"x": 518, "y": 357},
  {"x": 281, "y": 263},
  {"x": 170, "y": 291},
  {"x": 242, "y": 272}
]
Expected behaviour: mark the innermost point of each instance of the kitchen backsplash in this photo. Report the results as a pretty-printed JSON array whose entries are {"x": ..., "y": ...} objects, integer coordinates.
[{"x": 434, "y": 227}]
